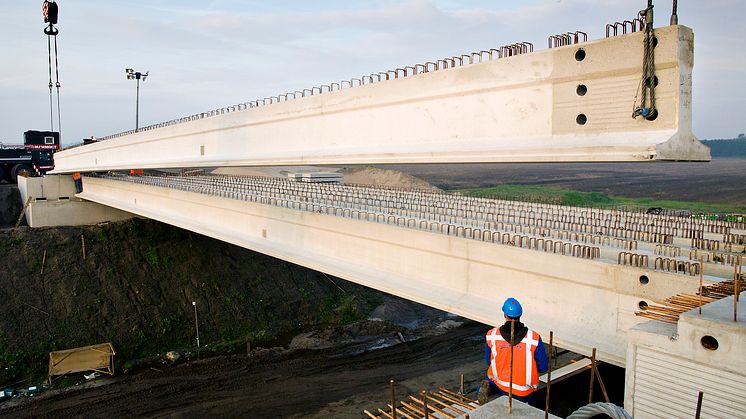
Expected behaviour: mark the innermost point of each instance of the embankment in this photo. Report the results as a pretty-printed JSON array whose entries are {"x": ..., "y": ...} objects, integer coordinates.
[{"x": 135, "y": 288}]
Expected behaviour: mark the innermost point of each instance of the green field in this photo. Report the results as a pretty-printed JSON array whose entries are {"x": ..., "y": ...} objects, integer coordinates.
[{"x": 558, "y": 196}]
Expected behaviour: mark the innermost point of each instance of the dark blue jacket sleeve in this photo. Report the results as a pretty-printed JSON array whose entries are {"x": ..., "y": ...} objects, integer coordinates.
[
  {"x": 487, "y": 353},
  {"x": 540, "y": 356}
]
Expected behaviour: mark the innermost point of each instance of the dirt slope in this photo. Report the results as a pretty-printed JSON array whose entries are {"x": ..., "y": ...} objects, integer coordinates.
[
  {"x": 10, "y": 204},
  {"x": 136, "y": 286}
]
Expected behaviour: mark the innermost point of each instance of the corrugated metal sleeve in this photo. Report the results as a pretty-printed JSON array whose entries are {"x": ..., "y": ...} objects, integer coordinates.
[{"x": 667, "y": 386}]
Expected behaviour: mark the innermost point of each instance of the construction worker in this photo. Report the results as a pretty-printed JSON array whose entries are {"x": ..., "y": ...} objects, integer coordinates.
[
  {"x": 78, "y": 182},
  {"x": 529, "y": 357}
]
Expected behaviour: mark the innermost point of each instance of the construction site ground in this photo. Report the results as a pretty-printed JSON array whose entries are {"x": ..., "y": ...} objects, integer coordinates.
[{"x": 277, "y": 382}]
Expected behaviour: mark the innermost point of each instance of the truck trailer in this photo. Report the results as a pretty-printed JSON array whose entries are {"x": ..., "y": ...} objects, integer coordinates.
[{"x": 34, "y": 157}]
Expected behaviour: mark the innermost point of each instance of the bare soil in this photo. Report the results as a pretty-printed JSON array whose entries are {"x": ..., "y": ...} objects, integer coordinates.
[
  {"x": 335, "y": 382},
  {"x": 10, "y": 204},
  {"x": 719, "y": 181},
  {"x": 135, "y": 288}
]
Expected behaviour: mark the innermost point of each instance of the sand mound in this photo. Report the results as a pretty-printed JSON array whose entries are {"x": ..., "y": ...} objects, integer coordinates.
[
  {"x": 384, "y": 177},
  {"x": 372, "y": 176}
]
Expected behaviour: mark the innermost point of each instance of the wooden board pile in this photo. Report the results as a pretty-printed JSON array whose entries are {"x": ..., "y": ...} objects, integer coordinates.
[
  {"x": 671, "y": 308},
  {"x": 441, "y": 403}
]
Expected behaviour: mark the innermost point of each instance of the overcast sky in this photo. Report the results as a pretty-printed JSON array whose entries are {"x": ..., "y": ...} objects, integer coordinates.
[{"x": 205, "y": 54}]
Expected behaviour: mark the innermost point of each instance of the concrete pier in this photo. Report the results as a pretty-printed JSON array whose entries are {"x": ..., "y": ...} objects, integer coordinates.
[{"x": 52, "y": 202}]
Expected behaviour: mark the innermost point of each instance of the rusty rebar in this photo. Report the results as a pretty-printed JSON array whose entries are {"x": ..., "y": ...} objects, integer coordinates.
[
  {"x": 424, "y": 400},
  {"x": 674, "y": 14},
  {"x": 598, "y": 376},
  {"x": 700, "y": 287},
  {"x": 699, "y": 405},
  {"x": 737, "y": 269},
  {"x": 393, "y": 399},
  {"x": 593, "y": 366},
  {"x": 549, "y": 373}
]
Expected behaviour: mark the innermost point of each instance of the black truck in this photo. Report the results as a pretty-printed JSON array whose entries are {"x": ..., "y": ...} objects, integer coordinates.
[{"x": 34, "y": 158}]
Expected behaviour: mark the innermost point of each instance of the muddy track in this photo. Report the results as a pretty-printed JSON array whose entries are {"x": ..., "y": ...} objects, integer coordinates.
[{"x": 270, "y": 383}]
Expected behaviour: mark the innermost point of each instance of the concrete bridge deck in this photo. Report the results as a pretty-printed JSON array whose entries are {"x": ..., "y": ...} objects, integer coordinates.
[{"x": 431, "y": 248}]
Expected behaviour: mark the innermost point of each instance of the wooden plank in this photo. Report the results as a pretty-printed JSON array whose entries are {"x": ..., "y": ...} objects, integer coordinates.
[
  {"x": 23, "y": 212},
  {"x": 446, "y": 405},
  {"x": 567, "y": 370},
  {"x": 460, "y": 396},
  {"x": 384, "y": 414},
  {"x": 435, "y": 409},
  {"x": 409, "y": 410},
  {"x": 417, "y": 409},
  {"x": 399, "y": 411},
  {"x": 452, "y": 400}
]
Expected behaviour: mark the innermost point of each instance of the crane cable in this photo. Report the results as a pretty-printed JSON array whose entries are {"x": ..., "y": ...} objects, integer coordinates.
[
  {"x": 51, "y": 96},
  {"x": 648, "y": 80},
  {"x": 57, "y": 84},
  {"x": 50, "y": 12}
]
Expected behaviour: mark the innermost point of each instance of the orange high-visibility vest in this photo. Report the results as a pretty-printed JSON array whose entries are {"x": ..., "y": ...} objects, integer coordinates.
[
  {"x": 76, "y": 176},
  {"x": 525, "y": 373}
]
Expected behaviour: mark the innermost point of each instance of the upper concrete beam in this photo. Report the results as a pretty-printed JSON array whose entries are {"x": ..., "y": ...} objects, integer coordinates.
[{"x": 516, "y": 109}]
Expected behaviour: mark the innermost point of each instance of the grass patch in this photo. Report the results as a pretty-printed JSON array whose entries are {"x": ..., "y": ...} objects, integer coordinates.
[{"x": 557, "y": 196}]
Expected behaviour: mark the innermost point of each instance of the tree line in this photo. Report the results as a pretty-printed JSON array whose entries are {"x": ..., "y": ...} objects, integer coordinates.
[{"x": 734, "y": 147}]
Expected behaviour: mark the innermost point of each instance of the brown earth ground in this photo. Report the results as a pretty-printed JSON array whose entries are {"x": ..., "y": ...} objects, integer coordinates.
[
  {"x": 722, "y": 180},
  {"x": 274, "y": 383}
]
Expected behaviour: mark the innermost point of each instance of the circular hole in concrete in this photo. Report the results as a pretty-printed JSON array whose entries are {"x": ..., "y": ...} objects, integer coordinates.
[
  {"x": 653, "y": 115},
  {"x": 644, "y": 280},
  {"x": 654, "y": 83},
  {"x": 580, "y": 55},
  {"x": 581, "y": 119},
  {"x": 581, "y": 90},
  {"x": 655, "y": 41},
  {"x": 709, "y": 342},
  {"x": 642, "y": 305}
]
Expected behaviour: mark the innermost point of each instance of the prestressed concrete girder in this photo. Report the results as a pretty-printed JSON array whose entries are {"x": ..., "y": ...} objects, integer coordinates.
[
  {"x": 586, "y": 303},
  {"x": 522, "y": 108}
]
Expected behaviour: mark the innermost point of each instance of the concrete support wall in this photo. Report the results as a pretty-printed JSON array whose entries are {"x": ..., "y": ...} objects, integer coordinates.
[
  {"x": 586, "y": 303},
  {"x": 53, "y": 203},
  {"x": 667, "y": 365},
  {"x": 522, "y": 108}
]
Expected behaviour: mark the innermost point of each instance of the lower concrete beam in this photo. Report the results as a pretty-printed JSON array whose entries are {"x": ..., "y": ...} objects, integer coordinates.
[{"x": 586, "y": 303}]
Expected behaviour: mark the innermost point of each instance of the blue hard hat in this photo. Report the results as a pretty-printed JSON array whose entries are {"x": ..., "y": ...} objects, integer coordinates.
[{"x": 512, "y": 308}]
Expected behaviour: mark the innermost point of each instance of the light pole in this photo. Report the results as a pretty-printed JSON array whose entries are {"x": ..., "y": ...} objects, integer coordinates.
[
  {"x": 196, "y": 325},
  {"x": 136, "y": 75}
]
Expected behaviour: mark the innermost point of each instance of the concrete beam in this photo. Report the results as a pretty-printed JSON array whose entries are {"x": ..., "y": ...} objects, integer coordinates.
[
  {"x": 522, "y": 108},
  {"x": 669, "y": 364},
  {"x": 586, "y": 303}
]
